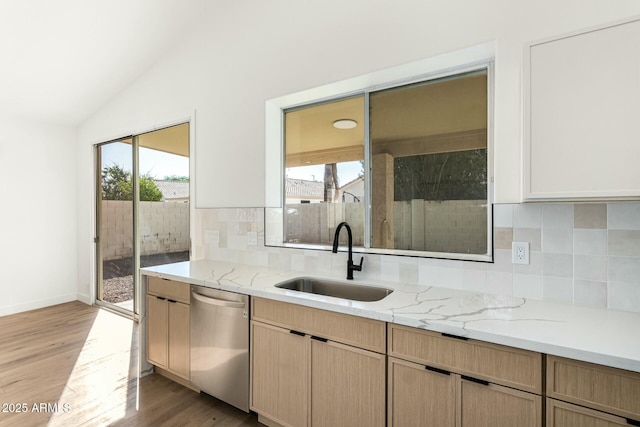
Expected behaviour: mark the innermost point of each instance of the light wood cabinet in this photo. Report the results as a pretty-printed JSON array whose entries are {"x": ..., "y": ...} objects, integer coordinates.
[
  {"x": 609, "y": 390},
  {"x": 420, "y": 397},
  {"x": 562, "y": 414},
  {"x": 490, "y": 405},
  {"x": 157, "y": 330},
  {"x": 580, "y": 113},
  {"x": 347, "y": 386},
  {"x": 452, "y": 381},
  {"x": 168, "y": 326},
  {"x": 508, "y": 366},
  {"x": 280, "y": 374},
  {"x": 302, "y": 378}
]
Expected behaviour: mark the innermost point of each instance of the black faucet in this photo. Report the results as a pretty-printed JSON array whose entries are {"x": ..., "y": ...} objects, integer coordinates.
[{"x": 350, "y": 266}]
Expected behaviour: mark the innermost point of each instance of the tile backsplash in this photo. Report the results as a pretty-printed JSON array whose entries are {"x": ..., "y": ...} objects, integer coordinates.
[{"x": 583, "y": 254}]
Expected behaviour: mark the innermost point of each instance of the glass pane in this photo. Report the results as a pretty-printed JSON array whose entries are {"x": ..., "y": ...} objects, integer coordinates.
[
  {"x": 115, "y": 209},
  {"x": 324, "y": 172},
  {"x": 163, "y": 217},
  {"x": 429, "y": 166}
]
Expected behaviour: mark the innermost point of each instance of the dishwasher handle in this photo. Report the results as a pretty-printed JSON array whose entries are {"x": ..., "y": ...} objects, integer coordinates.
[{"x": 216, "y": 301}]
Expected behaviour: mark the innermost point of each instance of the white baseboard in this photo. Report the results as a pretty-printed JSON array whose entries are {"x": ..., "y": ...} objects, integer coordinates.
[
  {"x": 35, "y": 304},
  {"x": 85, "y": 299}
]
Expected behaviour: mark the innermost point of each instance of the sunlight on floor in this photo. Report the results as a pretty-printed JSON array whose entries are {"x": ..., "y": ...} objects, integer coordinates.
[{"x": 102, "y": 376}]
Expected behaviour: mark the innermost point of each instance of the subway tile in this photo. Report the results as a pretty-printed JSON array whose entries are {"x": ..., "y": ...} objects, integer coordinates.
[
  {"x": 451, "y": 278},
  {"x": 624, "y": 242},
  {"x": 558, "y": 289},
  {"x": 527, "y": 286},
  {"x": 557, "y": 240},
  {"x": 409, "y": 273},
  {"x": 474, "y": 280},
  {"x": 388, "y": 271},
  {"x": 557, "y": 265},
  {"x": 527, "y": 216},
  {"x": 589, "y": 242},
  {"x": 557, "y": 216},
  {"x": 499, "y": 283},
  {"x": 623, "y": 216},
  {"x": 531, "y": 235},
  {"x": 590, "y": 267},
  {"x": 502, "y": 238},
  {"x": 503, "y": 215},
  {"x": 501, "y": 261},
  {"x": 590, "y": 215},
  {"x": 624, "y": 296},
  {"x": 428, "y": 273},
  {"x": 624, "y": 269},
  {"x": 534, "y": 266},
  {"x": 590, "y": 294}
]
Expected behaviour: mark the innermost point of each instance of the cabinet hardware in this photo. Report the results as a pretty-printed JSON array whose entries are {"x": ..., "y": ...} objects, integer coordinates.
[
  {"x": 162, "y": 278},
  {"x": 172, "y": 300},
  {"x": 297, "y": 333},
  {"x": 475, "y": 380},
  {"x": 162, "y": 298},
  {"x": 439, "y": 371},
  {"x": 313, "y": 337},
  {"x": 454, "y": 336},
  {"x": 633, "y": 422}
]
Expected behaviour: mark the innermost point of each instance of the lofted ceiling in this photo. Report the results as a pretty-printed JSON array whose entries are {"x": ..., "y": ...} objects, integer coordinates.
[{"x": 62, "y": 60}]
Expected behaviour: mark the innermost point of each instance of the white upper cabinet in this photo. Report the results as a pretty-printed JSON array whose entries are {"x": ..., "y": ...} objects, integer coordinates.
[{"x": 582, "y": 115}]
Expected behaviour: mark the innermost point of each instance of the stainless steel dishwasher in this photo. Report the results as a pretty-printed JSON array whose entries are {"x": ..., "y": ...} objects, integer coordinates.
[{"x": 220, "y": 344}]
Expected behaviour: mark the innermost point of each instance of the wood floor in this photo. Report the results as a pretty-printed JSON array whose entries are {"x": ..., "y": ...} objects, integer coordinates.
[{"x": 76, "y": 365}]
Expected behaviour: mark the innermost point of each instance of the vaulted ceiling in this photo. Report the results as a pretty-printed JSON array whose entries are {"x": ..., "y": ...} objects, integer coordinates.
[{"x": 62, "y": 60}]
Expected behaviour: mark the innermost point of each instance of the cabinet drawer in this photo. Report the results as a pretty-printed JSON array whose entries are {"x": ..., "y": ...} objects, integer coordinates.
[
  {"x": 170, "y": 289},
  {"x": 499, "y": 364},
  {"x": 607, "y": 389},
  {"x": 561, "y": 414},
  {"x": 357, "y": 331},
  {"x": 491, "y": 405}
]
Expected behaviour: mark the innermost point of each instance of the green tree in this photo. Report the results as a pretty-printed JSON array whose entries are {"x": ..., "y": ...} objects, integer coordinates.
[
  {"x": 117, "y": 185},
  {"x": 176, "y": 178}
]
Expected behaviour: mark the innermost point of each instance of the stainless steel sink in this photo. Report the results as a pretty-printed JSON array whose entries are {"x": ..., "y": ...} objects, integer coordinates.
[{"x": 335, "y": 289}]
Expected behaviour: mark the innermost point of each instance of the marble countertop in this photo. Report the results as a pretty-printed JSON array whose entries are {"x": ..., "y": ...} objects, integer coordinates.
[{"x": 606, "y": 337}]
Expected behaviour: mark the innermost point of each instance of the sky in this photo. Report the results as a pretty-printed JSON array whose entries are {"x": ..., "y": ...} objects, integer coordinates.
[{"x": 157, "y": 163}]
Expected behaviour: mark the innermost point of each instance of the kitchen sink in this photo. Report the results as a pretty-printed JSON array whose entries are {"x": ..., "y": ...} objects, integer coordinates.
[{"x": 335, "y": 289}]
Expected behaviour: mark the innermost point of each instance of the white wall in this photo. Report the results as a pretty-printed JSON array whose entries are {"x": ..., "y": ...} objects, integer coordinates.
[
  {"x": 38, "y": 249},
  {"x": 252, "y": 51}
]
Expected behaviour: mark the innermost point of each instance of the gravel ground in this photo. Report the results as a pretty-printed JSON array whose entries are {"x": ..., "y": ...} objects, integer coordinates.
[
  {"x": 117, "y": 289},
  {"x": 117, "y": 285}
]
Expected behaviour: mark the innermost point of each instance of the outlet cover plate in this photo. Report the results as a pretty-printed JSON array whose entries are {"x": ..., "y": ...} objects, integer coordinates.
[{"x": 520, "y": 252}]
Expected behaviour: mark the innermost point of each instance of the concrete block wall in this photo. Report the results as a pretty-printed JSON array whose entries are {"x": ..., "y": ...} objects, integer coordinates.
[{"x": 163, "y": 227}]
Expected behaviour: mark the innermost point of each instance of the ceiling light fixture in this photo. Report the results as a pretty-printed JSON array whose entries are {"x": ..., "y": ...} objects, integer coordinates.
[{"x": 345, "y": 124}]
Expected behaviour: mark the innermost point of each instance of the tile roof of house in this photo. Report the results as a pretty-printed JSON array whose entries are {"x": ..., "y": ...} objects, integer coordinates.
[
  {"x": 303, "y": 189},
  {"x": 172, "y": 190}
]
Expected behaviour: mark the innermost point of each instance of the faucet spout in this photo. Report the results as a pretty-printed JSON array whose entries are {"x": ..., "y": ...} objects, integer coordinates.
[{"x": 351, "y": 267}]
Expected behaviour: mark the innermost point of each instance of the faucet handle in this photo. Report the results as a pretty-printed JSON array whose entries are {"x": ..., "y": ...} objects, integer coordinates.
[{"x": 359, "y": 266}]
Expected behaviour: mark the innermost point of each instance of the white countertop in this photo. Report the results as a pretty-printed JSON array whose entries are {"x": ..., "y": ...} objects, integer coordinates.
[{"x": 606, "y": 337}]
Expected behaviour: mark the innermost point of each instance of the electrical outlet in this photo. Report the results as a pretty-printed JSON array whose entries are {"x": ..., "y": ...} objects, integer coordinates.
[{"x": 520, "y": 252}]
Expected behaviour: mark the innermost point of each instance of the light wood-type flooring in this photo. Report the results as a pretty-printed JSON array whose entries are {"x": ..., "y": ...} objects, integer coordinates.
[{"x": 76, "y": 365}]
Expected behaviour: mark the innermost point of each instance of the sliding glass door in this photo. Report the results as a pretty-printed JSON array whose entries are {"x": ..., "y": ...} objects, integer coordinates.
[{"x": 142, "y": 211}]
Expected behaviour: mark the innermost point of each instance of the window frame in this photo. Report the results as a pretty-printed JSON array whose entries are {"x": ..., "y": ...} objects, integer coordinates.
[{"x": 464, "y": 61}]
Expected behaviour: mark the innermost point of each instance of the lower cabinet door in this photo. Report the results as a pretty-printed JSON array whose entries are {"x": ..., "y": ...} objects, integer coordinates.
[
  {"x": 347, "y": 386},
  {"x": 157, "y": 333},
  {"x": 490, "y": 405},
  {"x": 280, "y": 375},
  {"x": 420, "y": 396},
  {"x": 561, "y": 414},
  {"x": 179, "y": 350}
]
